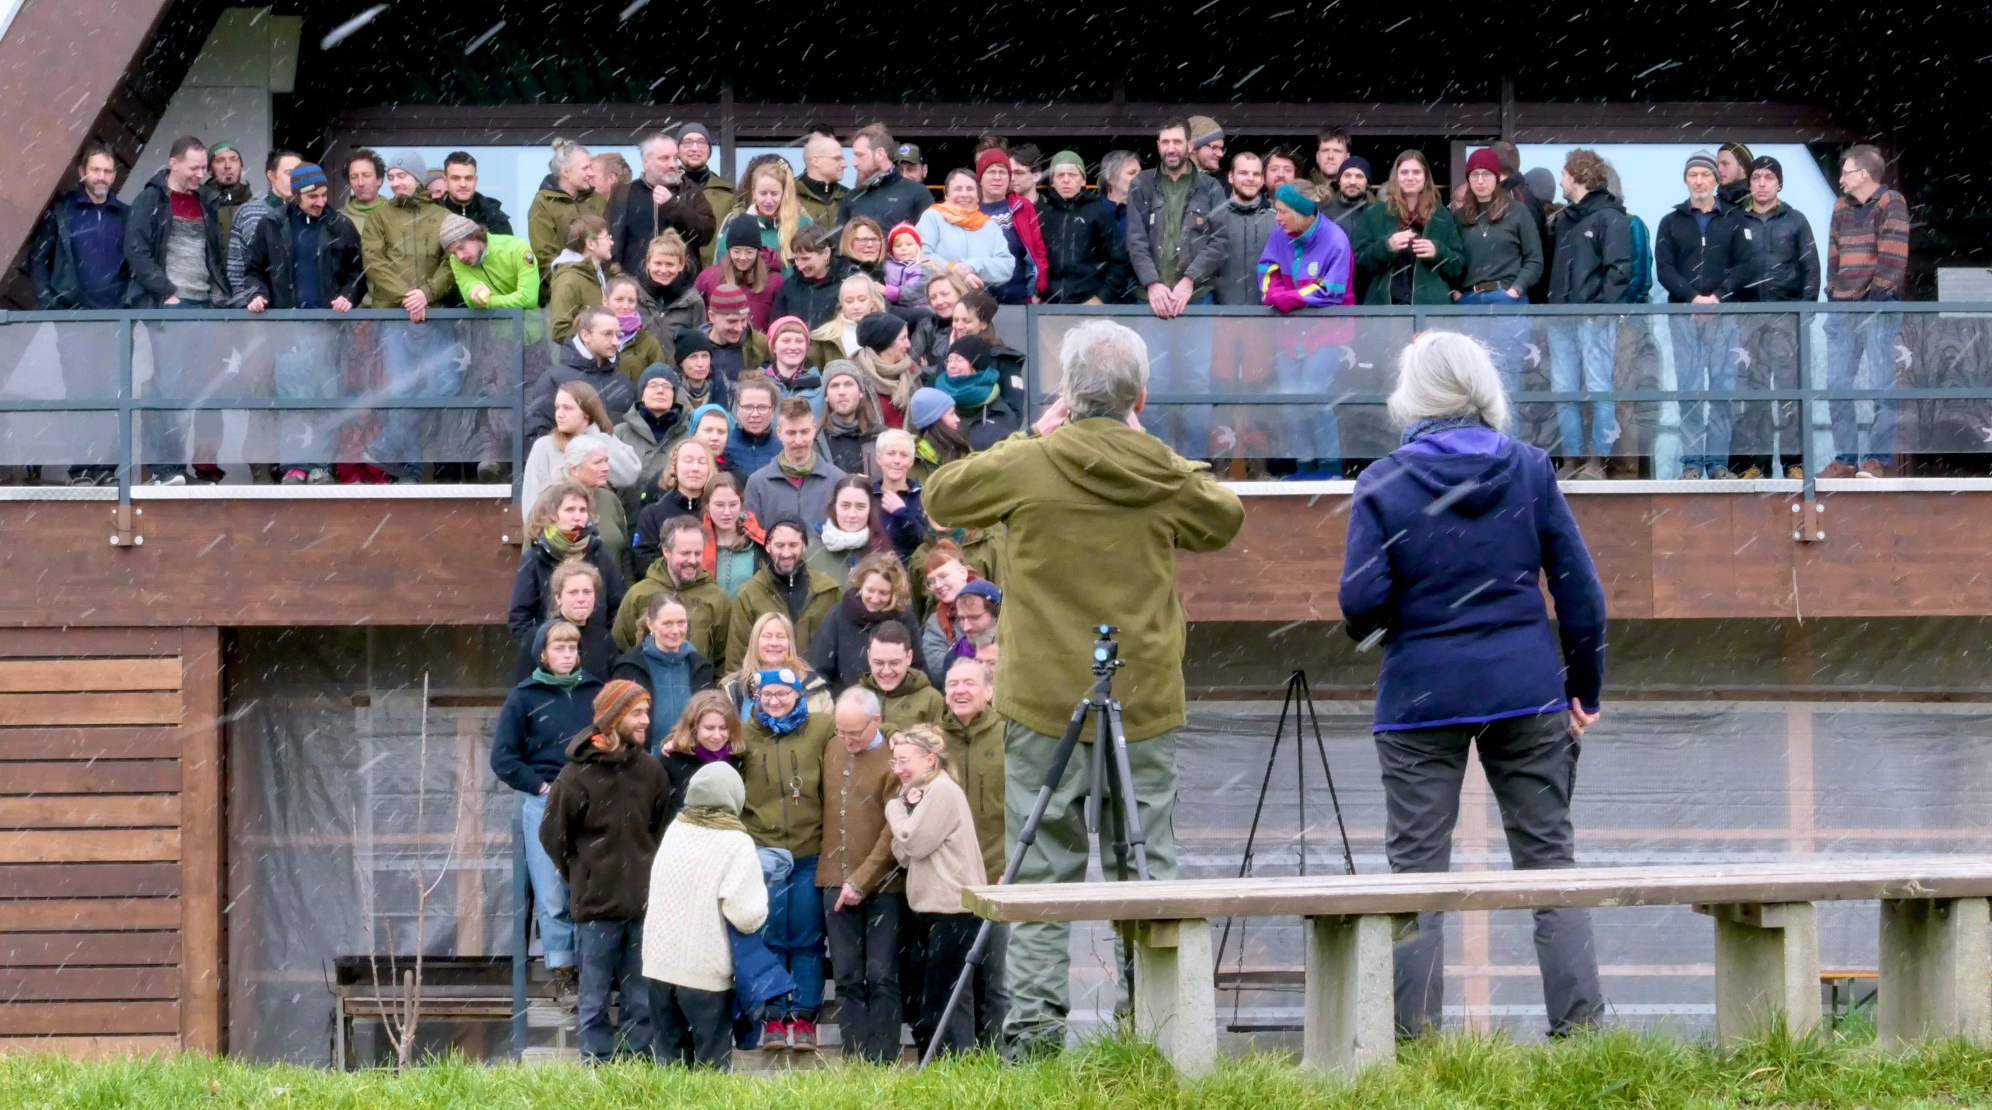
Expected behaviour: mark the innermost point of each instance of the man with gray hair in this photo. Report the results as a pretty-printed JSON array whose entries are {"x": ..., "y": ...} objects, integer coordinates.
[
  {"x": 568, "y": 193},
  {"x": 660, "y": 200},
  {"x": 1086, "y": 482}
]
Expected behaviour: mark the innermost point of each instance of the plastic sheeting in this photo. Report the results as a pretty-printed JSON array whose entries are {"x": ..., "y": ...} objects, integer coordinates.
[{"x": 324, "y": 747}]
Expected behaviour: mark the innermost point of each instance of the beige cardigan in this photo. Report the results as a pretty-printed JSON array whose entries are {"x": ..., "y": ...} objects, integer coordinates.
[
  {"x": 936, "y": 842},
  {"x": 702, "y": 880}
]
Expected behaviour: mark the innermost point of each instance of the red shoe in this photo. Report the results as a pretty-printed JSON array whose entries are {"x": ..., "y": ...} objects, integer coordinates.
[
  {"x": 774, "y": 1034},
  {"x": 802, "y": 1036}
]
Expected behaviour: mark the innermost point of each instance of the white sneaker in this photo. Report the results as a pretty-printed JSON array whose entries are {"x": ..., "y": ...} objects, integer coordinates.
[
  {"x": 318, "y": 476},
  {"x": 177, "y": 478}
]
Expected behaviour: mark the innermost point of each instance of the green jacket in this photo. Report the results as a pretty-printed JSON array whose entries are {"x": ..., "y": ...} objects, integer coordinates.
[
  {"x": 758, "y": 596},
  {"x": 916, "y": 702},
  {"x": 1096, "y": 513},
  {"x": 719, "y": 194},
  {"x": 706, "y": 607},
  {"x": 976, "y": 750},
  {"x": 818, "y": 210},
  {"x": 636, "y": 356},
  {"x": 401, "y": 246},
  {"x": 1432, "y": 281},
  {"x": 574, "y": 286},
  {"x": 546, "y": 222},
  {"x": 785, "y": 784},
  {"x": 507, "y": 268}
]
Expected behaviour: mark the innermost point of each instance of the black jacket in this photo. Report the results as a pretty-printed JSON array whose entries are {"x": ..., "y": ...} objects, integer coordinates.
[
  {"x": 1518, "y": 188},
  {"x": 604, "y": 819},
  {"x": 888, "y": 199},
  {"x": 618, "y": 393},
  {"x": 52, "y": 265},
  {"x": 837, "y": 647},
  {"x": 147, "y": 223},
  {"x": 1776, "y": 258},
  {"x": 1083, "y": 247},
  {"x": 680, "y": 767},
  {"x": 529, "y": 746},
  {"x": 639, "y": 219},
  {"x": 631, "y": 665},
  {"x": 598, "y": 651},
  {"x": 1593, "y": 259},
  {"x": 488, "y": 213},
  {"x": 529, "y": 585},
  {"x": 270, "y": 264},
  {"x": 1688, "y": 262},
  {"x": 812, "y": 302}
]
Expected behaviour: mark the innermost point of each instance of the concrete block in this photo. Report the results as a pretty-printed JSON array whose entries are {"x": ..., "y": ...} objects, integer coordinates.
[
  {"x": 1766, "y": 968},
  {"x": 1175, "y": 1000},
  {"x": 1936, "y": 970},
  {"x": 1348, "y": 1019}
]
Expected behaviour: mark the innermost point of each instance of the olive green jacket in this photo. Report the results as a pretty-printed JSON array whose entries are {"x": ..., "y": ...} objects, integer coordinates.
[
  {"x": 976, "y": 750},
  {"x": 916, "y": 702},
  {"x": 401, "y": 247},
  {"x": 546, "y": 224},
  {"x": 784, "y": 777},
  {"x": 1096, "y": 513},
  {"x": 706, "y": 607},
  {"x": 758, "y": 596}
]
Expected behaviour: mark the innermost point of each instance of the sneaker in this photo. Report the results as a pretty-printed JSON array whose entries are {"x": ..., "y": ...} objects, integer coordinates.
[
  {"x": 1722, "y": 474},
  {"x": 1567, "y": 469},
  {"x": 1592, "y": 470},
  {"x": 318, "y": 476},
  {"x": 170, "y": 478},
  {"x": 293, "y": 477},
  {"x": 1870, "y": 468},
  {"x": 1751, "y": 472},
  {"x": 208, "y": 473},
  {"x": 82, "y": 480},
  {"x": 802, "y": 1035},
  {"x": 774, "y": 1034},
  {"x": 566, "y": 986},
  {"x": 492, "y": 473},
  {"x": 1691, "y": 474},
  {"x": 1795, "y": 472},
  {"x": 396, "y": 472},
  {"x": 1838, "y": 469}
]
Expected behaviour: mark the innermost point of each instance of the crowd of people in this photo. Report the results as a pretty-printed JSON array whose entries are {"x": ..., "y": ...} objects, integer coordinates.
[{"x": 893, "y": 285}]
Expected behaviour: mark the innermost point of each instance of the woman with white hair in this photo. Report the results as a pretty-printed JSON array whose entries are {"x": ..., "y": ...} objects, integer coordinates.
[
  {"x": 587, "y": 461},
  {"x": 1448, "y": 539}
]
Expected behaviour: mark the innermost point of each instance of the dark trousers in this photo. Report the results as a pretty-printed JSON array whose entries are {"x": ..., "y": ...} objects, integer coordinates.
[
  {"x": 992, "y": 995},
  {"x": 694, "y": 1027},
  {"x": 864, "y": 957},
  {"x": 611, "y": 957},
  {"x": 1531, "y": 765},
  {"x": 944, "y": 941}
]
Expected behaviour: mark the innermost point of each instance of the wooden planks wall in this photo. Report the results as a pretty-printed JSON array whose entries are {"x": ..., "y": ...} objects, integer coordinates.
[{"x": 110, "y": 845}]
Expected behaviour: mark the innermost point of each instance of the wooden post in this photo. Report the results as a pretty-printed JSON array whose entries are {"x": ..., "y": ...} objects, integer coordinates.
[
  {"x": 1766, "y": 968},
  {"x": 1349, "y": 1016},
  {"x": 1936, "y": 970},
  {"x": 1174, "y": 1003}
]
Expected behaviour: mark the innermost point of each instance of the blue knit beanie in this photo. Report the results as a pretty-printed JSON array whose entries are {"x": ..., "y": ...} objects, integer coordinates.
[
  {"x": 699, "y": 414},
  {"x": 929, "y": 405}
]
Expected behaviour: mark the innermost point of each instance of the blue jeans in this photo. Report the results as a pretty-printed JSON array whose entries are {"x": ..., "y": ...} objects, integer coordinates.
[
  {"x": 420, "y": 360},
  {"x": 556, "y": 926},
  {"x": 1705, "y": 358},
  {"x": 1852, "y": 339},
  {"x": 612, "y": 960},
  {"x": 794, "y": 933},
  {"x": 307, "y": 369},
  {"x": 1184, "y": 368},
  {"x": 1506, "y": 340},
  {"x": 1317, "y": 436},
  {"x": 1583, "y": 349}
]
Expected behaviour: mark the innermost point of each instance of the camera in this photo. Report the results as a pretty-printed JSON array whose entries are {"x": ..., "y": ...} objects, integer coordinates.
[{"x": 1106, "y": 653}]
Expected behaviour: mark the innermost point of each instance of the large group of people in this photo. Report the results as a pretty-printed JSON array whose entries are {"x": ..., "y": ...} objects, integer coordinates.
[{"x": 893, "y": 285}]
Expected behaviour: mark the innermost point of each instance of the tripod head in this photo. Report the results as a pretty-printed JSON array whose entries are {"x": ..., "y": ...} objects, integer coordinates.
[{"x": 1106, "y": 653}]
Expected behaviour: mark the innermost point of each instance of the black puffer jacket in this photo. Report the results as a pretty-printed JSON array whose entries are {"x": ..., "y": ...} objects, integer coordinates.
[
  {"x": 888, "y": 199},
  {"x": 270, "y": 265},
  {"x": 837, "y": 648},
  {"x": 487, "y": 212},
  {"x": 617, "y": 392},
  {"x": 604, "y": 819},
  {"x": 1082, "y": 240},
  {"x": 1776, "y": 256}
]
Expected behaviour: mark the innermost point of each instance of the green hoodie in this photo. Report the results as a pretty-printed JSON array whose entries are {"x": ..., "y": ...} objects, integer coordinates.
[
  {"x": 1096, "y": 512},
  {"x": 706, "y": 606}
]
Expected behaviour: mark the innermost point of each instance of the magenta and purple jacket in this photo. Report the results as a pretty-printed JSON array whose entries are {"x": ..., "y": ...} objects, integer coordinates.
[{"x": 1312, "y": 271}]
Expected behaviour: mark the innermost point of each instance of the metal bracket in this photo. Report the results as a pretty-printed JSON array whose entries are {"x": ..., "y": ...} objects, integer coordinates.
[
  {"x": 1810, "y": 528},
  {"x": 124, "y": 519}
]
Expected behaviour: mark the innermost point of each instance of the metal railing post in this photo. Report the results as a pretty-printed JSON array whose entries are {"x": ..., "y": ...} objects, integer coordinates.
[
  {"x": 126, "y": 468},
  {"x": 522, "y": 910},
  {"x": 519, "y": 410},
  {"x": 1033, "y": 373},
  {"x": 1808, "y": 397}
]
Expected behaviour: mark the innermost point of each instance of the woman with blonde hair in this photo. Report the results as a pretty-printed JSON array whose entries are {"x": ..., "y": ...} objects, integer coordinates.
[
  {"x": 858, "y": 297},
  {"x": 862, "y": 246},
  {"x": 933, "y": 837},
  {"x": 767, "y": 193},
  {"x": 679, "y": 491},
  {"x": 577, "y": 409},
  {"x": 671, "y": 303},
  {"x": 771, "y": 645}
]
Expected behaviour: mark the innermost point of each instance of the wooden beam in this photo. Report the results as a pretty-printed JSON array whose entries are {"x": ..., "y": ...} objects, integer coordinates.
[
  {"x": 88, "y": 984},
  {"x": 88, "y": 744},
  {"x": 93, "y": 880},
  {"x": 48, "y": 676},
  {"x": 90, "y": 950},
  {"x": 127, "y": 811},
  {"x": 89, "y": 846},
  {"x": 30, "y": 915},
  {"x": 201, "y": 832},
  {"x": 90, "y": 1048},
  {"x": 153, "y": 776},
  {"x": 98, "y": 1018},
  {"x": 89, "y": 709}
]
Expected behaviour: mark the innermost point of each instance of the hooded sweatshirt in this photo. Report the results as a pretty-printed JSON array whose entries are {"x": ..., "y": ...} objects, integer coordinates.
[
  {"x": 603, "y": 820},
  {"x": 1447, "y": 537},
  {"x": 1096, "y": 512}
]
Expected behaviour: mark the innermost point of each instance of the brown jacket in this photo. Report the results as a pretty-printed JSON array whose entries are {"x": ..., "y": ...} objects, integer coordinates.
[
  {"x": 857, "y": 848},
  {"x": 936, "y": 841}
]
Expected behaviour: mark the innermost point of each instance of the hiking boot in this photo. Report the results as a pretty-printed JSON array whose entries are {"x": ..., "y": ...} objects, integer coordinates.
[
  {"x": 1722, "y": 474},
  {"x": 1870, "y": 468},
  {"x": 1795, "y": 472},
  {"x": 774, "y": 1034},
  {"x": 1751, "y": 472},
  {"x": 802, "y": 1035},
  {"x": 1838, "y": 469},
  {"x": 1691, "y": 474},
  {"x": 293, "y": 477},
  {"x": 1592, "y": 470},
  {"x": 566, "y": 986},
  {"x": 1567, "y": 469}
]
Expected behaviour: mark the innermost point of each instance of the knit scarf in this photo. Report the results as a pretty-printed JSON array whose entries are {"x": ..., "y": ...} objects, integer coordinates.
[
  {"x": 696, "y": 396},
  {"x": 707, "y": 755},
  {"x": 897, "y": 381},
  {"x": 560, "y": 681},
  {"x": 971, "y": 391},
  {"x": 626, "y": 328},
  {"x": 787, "y": 722},
  {"x": 838, "y": 540},
  {"x": 795, "y": 471},
  {"x": 711, "y": 817},
  {"x": 562, "y": 544},
  {"x": 968, "y": 219},
  {"x": 1431, "y": 425}
]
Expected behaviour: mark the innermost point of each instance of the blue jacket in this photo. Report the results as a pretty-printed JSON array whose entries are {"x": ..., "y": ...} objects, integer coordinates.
[
  {"x": 1447, "y": 537},
  {"x": 538, "y": 720},
  {"x": 745, "y": 453},
  {"x": 758, "y": 975}
]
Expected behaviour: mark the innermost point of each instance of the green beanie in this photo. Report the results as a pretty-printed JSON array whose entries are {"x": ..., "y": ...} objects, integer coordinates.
[
  {"x": 1067, "y": 158},
  {"x": 717, "y": 784}
]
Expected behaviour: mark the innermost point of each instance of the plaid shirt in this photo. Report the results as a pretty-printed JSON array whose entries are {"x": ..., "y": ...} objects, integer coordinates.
[{"x": 1868, "y": 250}]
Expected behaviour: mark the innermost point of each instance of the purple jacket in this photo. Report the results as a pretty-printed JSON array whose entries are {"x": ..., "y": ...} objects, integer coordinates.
[{"x": 1312, "y": 271}]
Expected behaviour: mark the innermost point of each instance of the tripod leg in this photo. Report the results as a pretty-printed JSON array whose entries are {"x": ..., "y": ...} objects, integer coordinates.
[
  {"x": 1124, "y": 779},
  {"x": 1112, "y": 784},
  {"x": 976, "y": 954}
]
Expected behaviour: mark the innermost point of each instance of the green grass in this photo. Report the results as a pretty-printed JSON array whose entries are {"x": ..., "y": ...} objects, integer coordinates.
[{"x": 1604, "y": 1070}]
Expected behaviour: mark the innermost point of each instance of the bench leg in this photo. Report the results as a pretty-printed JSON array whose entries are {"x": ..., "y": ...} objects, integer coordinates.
[
  {"x": 1349, "y": 1020},
  {"x": 1175, "y": 1004},
  {"x": 1936, "y": 970},
  {"x": 1766, "y": 969}
]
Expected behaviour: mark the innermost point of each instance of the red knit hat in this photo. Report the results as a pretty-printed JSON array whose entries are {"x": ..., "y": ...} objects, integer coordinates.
[
  {"x": 1484, "y": 159},
  {"x": 902, "y": 229},
  {"x": 988, "y": 158},
  {"x": 728, "y": 298}
]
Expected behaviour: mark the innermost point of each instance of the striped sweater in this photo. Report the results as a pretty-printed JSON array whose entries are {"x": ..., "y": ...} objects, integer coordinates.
[{"x": 1867, "y": 254}]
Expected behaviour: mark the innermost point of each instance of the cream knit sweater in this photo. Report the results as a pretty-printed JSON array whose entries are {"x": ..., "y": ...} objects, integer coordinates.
[
  {"x": 936, "y": 841},
  {"x": 699, "y": 875}
]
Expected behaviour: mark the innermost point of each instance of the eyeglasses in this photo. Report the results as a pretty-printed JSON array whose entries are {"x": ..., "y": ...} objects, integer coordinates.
[{"x": 756, "y": 408}]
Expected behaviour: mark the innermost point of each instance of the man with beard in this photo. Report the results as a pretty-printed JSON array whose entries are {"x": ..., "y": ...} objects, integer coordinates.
[
  {"x": 461, "y": 198},
  {"x": 657, "y": 200},
  {"x": 695, "y": 161},
  {"x": 783, "y": 585},
  {"x": 883, "y": 192}
]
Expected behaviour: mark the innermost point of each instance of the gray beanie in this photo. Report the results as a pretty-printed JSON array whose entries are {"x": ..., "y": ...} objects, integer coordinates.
[
  {"x": 718, "y": 785},
  {"x": 457, "y": 228},
  {"x": 698, "y": 129},
  {"x": 411, "y": 161}
]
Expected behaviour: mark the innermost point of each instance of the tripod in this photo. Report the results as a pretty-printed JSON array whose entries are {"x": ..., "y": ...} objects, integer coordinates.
[
  {"x": 1299, "y": 700},
  {"x": 1106, "y": 712}
]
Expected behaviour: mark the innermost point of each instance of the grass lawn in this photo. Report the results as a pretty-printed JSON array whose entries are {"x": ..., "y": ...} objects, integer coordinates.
[{"x": 1612, "y": 1069}]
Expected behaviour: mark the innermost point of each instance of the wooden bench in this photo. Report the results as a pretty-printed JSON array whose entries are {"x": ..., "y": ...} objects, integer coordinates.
[{"x": 1935, "y": 974}]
